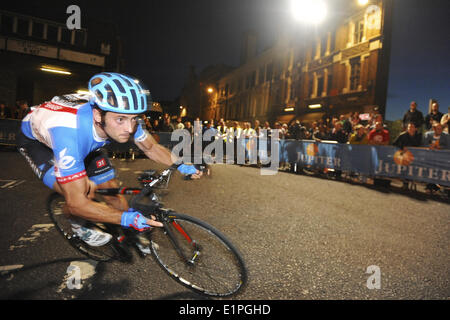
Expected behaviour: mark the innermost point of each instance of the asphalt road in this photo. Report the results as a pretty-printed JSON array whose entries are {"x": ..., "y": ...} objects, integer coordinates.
[{"x": 302, "y": 238}]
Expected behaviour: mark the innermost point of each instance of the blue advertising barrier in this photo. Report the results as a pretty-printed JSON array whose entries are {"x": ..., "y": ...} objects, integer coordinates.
[
  {"x": 8, "y": 131},
  {"x": 418, "y": 164}
]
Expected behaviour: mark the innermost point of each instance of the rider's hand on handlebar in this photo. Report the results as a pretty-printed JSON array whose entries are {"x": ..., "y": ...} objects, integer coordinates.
[
  {"x": 190, "y": 171},
  {"x": 135, "y": 220}
]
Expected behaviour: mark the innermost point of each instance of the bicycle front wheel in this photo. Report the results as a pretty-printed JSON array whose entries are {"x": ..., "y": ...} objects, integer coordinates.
[
  {"x": 107, "y": 252},
  {"x": 198, "y": 256}
]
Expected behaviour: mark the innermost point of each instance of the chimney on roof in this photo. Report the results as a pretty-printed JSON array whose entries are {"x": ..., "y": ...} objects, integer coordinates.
[{"x": 248, "y": 50}]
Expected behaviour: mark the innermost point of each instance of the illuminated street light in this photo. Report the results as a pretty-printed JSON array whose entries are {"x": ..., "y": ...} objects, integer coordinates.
[
  {"x": 210, "y": 90},
  {"x": 363, "y": 2},
  {"x": 309, "y": 11}
]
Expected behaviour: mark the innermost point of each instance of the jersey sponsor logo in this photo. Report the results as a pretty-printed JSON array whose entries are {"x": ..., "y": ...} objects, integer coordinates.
[
  {"x": 56, "y": 107},
  {"x": 73, "y": 177},
  {"x": 65, "y": 161},
  {"x": 100, "y": 163}
]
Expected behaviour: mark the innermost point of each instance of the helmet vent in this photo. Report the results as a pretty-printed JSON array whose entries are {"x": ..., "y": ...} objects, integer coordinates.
[
  {"x": 96, "y": 81},
  {"x": 119, "y": 86},
  {"x": 135, "y": 104},
  {"x": 126, "y": 105},
  {"x": 99, "y": 95},
  {"x": 127, "y": 81},
  {"x": 110, "y": 96}
]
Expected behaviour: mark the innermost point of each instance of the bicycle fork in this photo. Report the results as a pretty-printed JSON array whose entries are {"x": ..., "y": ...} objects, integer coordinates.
[{"x": 175, "y": 243}]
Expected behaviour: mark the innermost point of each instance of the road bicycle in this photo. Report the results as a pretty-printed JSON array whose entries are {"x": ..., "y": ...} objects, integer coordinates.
[{"x": 192, "y": 252}]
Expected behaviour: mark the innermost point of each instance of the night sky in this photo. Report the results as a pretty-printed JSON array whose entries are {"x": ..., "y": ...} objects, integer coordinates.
[{"x": 163, "y": 38}]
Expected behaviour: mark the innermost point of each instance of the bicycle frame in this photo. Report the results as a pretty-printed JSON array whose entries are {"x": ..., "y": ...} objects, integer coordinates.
[{"x": 155, "y": 208}]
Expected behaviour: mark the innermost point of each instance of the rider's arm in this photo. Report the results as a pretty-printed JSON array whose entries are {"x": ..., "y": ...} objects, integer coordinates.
[
  {"x": 155, "y": 151},
  {"x": 160, "y": 154},
  {"x": 79, "y": 204}
]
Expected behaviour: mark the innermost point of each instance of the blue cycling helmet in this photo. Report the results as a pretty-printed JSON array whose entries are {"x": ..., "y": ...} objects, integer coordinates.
[{"x": 119, "y": 93}]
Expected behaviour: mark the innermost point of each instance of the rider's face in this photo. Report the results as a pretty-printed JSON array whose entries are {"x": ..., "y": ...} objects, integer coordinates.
[{"x": 120, "y": 127}]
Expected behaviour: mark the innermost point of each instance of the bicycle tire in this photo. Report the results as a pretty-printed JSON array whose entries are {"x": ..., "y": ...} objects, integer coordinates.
[
  {"x": 107, "y": 252},
  {"x": 217, "y": 270}
]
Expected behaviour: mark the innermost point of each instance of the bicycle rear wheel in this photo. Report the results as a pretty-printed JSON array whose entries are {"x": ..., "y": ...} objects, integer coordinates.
[
  {"x": 107, "y": 252},
  {"x": 198, "y": 256}
]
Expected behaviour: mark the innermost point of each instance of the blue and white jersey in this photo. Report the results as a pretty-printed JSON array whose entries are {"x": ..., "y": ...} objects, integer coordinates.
[{"x": 65, "y": 125}]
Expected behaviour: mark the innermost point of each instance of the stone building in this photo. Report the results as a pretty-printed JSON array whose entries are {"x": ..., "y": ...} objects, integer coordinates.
[
  {"x": 41, "y": 58},
  {"x": 336, "y": 68}
]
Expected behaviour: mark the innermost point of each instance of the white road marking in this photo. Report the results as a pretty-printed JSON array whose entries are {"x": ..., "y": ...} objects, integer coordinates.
[
  {"x": 10, "y": 183},
  {"x": 32, "y": 235},
  {"x": 7, "y": 269},
  {"x": 77, "y": 273}
]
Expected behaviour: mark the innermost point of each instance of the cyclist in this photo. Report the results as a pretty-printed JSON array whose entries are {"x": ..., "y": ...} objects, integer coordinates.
[{"x": 62, "y": 140}]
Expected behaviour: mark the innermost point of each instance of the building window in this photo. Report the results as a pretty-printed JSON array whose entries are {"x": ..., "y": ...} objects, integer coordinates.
[
  {"x": 330, "y": 83},
  {"x": 310, "y": 87},
  {"x": 269, "y": 72},
  {"x": 261, "y": 75},
  {"x": 323, "y": 45},
  {"x": 7, "y": 24},
  {"x": 355, "y": 73},
  {"x": 319, "y": 86},
  {"x": 23, "y": 26},
  {"x": 52, "y": 33},
  {"x": 358, "y": 34},
  {"x": 332, "y": 41},
  {"x": 80, "y": 41},
  {"x": 38, "y": 30},
  {"x": 66, "y": 35}
]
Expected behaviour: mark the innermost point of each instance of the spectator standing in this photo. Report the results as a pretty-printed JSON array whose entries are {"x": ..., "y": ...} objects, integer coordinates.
[
  {"x": 320, "y": 133},
  {"x": 188, "y": 126},
  {"x": 378, "y": 118},
  {"x": 179, "y": 124},
  {"x": 5, "y": 111},
  {"x": 445, "y": 121},
  {"x": 167, "y": 126},
  {"x": 147, "y": 122},
  {"x": 22, "y": 109},
  {"x": 156, "y": 125},
  {"x": 237, "y": 130},
  {"x": 347, "y": 124},
  {"x": 338, "y": 133},
  {"x": 409, "y": 138},
  {"x": 379, "y": 136},
  {"x": 359, "y": 136},
  {"x": 436, "y": 139},
  {"x": 413, "y": 115},
  {"x": 434, "y": 115},
  {"x": 355, "y": 119}
]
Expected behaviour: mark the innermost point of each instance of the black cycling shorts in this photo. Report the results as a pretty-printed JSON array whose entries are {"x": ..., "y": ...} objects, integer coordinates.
[{"x": 99, "y": 168}]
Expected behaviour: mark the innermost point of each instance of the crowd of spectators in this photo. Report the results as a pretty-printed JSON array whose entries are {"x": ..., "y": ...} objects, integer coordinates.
[
  {"x": 418, "y": 131},
  {"x": 429, "y": 132},
  {"x": 20, "y": 110}
]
